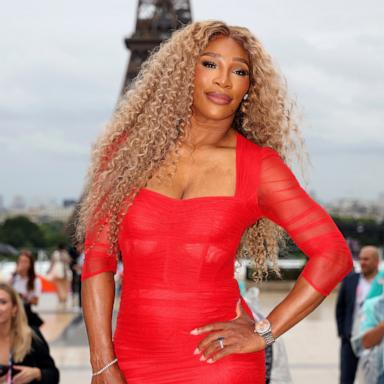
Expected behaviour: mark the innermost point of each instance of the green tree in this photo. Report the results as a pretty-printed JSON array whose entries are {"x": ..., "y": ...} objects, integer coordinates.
[
  {"x": 54, "y": 233},
  {"x": 20, "y": 232}
]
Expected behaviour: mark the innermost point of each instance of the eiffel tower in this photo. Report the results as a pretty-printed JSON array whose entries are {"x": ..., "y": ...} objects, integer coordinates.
[{"x": 155, "y": 21}]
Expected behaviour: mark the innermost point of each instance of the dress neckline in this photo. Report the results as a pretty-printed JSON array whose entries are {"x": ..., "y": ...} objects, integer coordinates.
[{"x": 197, "y": 198}]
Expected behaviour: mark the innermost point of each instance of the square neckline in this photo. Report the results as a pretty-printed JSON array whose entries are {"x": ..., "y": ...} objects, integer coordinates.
[{"x": 208, "y": 197}]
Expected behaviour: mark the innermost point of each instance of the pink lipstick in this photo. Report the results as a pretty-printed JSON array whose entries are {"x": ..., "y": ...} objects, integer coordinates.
[{"x": 219, "y": 98}]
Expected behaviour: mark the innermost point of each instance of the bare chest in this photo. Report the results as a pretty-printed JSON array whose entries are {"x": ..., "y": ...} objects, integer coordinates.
[{"x": 205, "y": 172}]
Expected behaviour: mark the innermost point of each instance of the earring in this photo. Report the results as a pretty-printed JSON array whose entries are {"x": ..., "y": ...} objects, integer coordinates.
[{"x": 245, "y": 97}]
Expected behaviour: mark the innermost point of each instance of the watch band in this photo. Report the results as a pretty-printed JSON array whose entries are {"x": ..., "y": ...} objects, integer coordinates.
[
  {"x": 268, "y": 338},
  {"x": 265, "y": 334}
]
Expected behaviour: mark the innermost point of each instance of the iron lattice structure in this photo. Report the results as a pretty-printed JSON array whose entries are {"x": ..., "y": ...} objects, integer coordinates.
[{"x": 155, "y": 21}]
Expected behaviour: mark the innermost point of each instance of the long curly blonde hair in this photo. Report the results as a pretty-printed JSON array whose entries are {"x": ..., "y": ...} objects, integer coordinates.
[{"x": 151, "y": 122}]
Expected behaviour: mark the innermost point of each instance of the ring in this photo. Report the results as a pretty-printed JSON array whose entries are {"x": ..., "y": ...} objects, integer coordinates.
[{"x": 221, "y": 341}]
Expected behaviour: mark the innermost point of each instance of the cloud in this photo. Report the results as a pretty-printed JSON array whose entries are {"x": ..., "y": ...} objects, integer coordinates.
[
  {"x": 63, "y": 65},
  {"x": 36, "y": 142}
]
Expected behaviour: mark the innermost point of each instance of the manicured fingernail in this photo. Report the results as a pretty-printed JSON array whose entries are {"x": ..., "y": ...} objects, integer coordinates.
[
  {"x": 210, "y": 361},
  {"x": 196, "y": 351},
  {"x": 194, "y": 331},
  {"x": 202, "y": 358}
]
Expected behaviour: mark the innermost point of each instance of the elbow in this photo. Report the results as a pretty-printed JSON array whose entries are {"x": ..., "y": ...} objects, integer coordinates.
[
  {"x": 350, "y": 266},
  {"x": 347, "y": 264}
]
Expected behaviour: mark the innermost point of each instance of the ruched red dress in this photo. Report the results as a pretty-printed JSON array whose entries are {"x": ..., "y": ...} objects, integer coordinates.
[{"x": 178, "y": 258}]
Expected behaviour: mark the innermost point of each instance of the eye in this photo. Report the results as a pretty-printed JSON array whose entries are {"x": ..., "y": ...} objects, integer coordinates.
[
  {"x": 209, "y": 64},
  {"x": 241, "y": 72}
]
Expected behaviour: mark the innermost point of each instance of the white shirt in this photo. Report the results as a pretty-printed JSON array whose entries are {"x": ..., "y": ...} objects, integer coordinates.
[
  {"x": 362, "y": 291},
  {"x": 20, "y": 285}
]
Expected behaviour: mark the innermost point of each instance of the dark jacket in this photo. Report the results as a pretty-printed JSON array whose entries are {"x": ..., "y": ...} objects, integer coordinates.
[
  {"x": 345, "y": 305},
  {"x": 40, "y": 357}
]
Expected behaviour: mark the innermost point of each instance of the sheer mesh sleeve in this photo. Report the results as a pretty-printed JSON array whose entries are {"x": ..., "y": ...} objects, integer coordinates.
[
  {"x": 97, "y": 251},
  {"x": 282, "y": 200}
]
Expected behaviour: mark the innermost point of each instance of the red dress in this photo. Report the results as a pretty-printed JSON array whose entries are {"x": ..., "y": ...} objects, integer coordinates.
[{"x": 178, "y": 258}]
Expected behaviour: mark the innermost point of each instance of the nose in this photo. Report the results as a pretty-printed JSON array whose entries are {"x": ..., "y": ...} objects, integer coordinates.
[{"x": 223, "y": 79}]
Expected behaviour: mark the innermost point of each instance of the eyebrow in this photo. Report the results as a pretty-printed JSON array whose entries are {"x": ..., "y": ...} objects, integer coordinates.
[{"x": 216, "y": 55}]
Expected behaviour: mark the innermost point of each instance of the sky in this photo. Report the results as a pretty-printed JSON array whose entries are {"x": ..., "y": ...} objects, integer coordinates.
[{"x": 63, "y": 62}]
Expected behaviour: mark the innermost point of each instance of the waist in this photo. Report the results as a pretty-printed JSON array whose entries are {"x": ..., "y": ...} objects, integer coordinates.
[
  {"x": 194, "y": 291},
  {"x": 166, "y": 317},
  {"x": 181, "y": 306}
]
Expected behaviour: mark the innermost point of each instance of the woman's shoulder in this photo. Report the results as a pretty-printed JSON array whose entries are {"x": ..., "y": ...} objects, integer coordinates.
[
  {"x": 38, "y": 343},
  {"x": 251, "y": 149}
]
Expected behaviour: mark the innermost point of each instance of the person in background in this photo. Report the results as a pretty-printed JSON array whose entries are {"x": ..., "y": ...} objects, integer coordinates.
[
  {"x": 353, "y": 292},
  {"x": 77, "y": 268},
  {"x": 376, "y": 286},
  {"x": 27, "y": 285},
  {"x": 24, "y": 353},
  {"x": 369, "y": 343},
  {"x": 60, "y": 273},
  {"x": 372, "y": 329},
  {"x": 77, "y": 258}
]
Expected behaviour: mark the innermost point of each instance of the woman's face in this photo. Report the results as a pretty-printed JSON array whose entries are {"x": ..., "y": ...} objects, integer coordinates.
[
  {"x": 7, "y": 309},
  {"x": 23, "y": 265},
  {"x": 221, "y": 79}
]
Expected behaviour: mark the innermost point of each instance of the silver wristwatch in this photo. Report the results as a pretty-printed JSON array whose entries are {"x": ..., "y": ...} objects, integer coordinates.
[{"x": 263, "y": 328}]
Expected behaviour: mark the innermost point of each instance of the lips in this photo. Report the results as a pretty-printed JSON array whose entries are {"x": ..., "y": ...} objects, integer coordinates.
[{"x": 219, "y": 98}]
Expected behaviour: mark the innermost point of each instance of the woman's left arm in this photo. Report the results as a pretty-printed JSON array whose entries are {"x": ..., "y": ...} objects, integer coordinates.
[{"x": 282, "y": 200}]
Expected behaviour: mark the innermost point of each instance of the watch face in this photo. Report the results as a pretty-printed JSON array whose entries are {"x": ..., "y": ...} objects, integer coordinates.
[{"x": 263, "y": 326}]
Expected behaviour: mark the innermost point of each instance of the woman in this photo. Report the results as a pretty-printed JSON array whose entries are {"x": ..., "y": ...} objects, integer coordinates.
[
  {"x": 60, "y": 273},
  {"x": 188, "y": 175},
  {"x": 27, "y": 285},
  {"x": 24, "y": 354}
]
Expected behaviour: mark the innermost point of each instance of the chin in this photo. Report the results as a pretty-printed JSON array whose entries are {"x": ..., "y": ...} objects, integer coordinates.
[{"x": 218, "y": 115}]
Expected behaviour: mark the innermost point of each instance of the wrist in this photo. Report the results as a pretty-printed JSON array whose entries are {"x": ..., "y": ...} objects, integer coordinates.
[
  {"x": 104, "y": 368},
  {"x": 99, "y": 360},
  {"x": 263, "y": 329},
  {"x": 37, "y": 374}
]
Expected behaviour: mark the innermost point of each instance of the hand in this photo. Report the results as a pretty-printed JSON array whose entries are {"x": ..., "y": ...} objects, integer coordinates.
[
  {"x": 26, "y": 374},
  {"x": 112, "y": 375},
  {"x": 239, "y": 337}
]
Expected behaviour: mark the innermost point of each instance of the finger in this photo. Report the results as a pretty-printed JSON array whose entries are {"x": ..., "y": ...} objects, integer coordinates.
[
  {"x": 215, "y": 347},
  {"x": 211, "y": 339},
  {"x": 211, "y": 327},
  {"x": 222, "y": 353}
]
